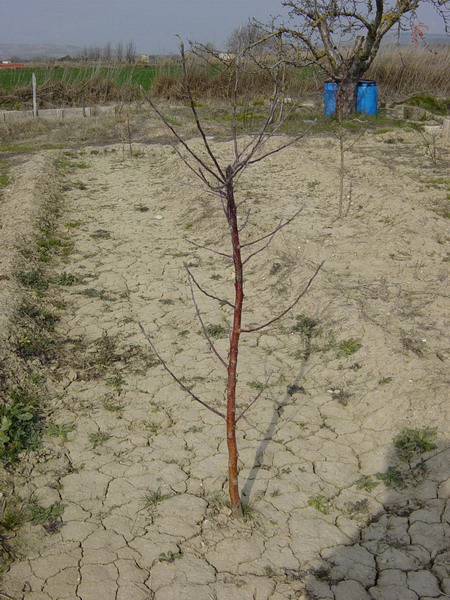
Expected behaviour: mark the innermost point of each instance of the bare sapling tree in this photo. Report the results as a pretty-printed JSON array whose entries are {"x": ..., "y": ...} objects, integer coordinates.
[
  {"x": 219, "y": 179},
  {"x": 342, "y": 37},
  {"x": 344, "y": 101}
]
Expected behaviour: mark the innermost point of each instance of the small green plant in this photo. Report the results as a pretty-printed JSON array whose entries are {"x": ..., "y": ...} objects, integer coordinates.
[
  {"x": 169, "y": 557},
  {"x": 65, "y": 279},
  {"x": 392, "y": 477},
  {"x": 216, "y": 501},
  {"x": 20, "y": 425},
  {"x": 153, "y": 427},
  {"x": 248, "y": 512},
  {"x": 152, "y": 499},
  {"x": 112, "y": 406},
  {"x": 60, "y": 430},
  {"x": 365, "y": 483},
  {"x": 13, "y": 517},
  {"x": 307, "y": 326},
  {"x": 341, "y": 396},
  {"x": 34, "y": 279},
  {"x": 194, "y": 429},
  {"x": 276, "y": 492},
  {"x": 116, "y": 382},
  {"x": 348, "y": 347},
  {"x": 385, "y": 380},
  {"x": 216, "y": 331},
  {"x": 410, "y": 442},
  {"x": 311, "y": 185},
  {"x": 98, "y": 438},
  {"x": 37, "y": 515},
  {"x": 73, "y": 224},
  {"x": 320, "y": 503},
  {"x": 256, "y": 385}
]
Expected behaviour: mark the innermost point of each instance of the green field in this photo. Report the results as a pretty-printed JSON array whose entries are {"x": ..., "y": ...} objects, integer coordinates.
[{"x": 13, "y": 78}]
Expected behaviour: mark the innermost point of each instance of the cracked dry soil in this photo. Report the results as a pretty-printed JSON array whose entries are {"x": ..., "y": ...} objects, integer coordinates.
[{"x": 143, "y": 468}]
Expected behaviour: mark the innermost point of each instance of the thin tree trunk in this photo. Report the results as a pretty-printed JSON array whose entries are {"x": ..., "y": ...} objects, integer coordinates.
[{"x": 233, "y": 484}]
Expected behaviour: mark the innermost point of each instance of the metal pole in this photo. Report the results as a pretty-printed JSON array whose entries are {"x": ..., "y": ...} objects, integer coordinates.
[{"x": 33, "y": 82}]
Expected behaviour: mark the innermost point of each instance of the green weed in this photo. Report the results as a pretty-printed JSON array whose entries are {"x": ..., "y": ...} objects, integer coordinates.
[
  {"x": 307, "y": 326},
  {"x": 152, "y": 499},
  {"x": 60, "y": 430},
  {"x": 169, "y": 557},
  {"x": 37, "y": 515},
  {"x": 112, "y": 406},
  {"x": 348, "y": 347},
  {"x": 116, "y": 382},
  {"x": 34, "y": 279},
  {"x": 385, "y": 380},
  {"x": 410, "y": 442},
  {"x": 98, "y": 438},
  {"x": 320, "y": 503},
  {"x": 391, "y": 477},
  {"x": 365, "y": 483},
  {"x": 20, "y": 425},
  {"x": 216, "y": 331}
]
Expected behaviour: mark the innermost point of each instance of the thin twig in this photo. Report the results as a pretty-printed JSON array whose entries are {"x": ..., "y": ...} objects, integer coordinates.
[
  {"x": 276, "y": 230},
  {"x": 209, "y": 249},
  {"x": 250, "y": 256},
  {"x": 172, "y": 374},
  {"x": 199, "y": 317},
  {"x": 289, "y": 307},
  {"x": 221, "y": 300},
  {"x": 179, "y": 138},
  {"x": 194, "y": 112},
  {"x": 246, "y": 220}
]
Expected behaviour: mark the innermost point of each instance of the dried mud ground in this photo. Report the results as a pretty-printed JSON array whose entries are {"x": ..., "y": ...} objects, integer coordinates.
[{"x": 141, "y": 469}]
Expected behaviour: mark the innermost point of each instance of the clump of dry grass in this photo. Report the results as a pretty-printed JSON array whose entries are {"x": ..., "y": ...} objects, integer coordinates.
[
  {"x": 54, "y": 94},
  {"x": 217, "y": 82},
  {"x": 402, "y": 71}
]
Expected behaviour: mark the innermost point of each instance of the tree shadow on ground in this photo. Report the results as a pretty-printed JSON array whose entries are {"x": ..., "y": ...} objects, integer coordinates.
[
  {"x": 292, "y": 389},
  {"x": 401, "y": 553}
]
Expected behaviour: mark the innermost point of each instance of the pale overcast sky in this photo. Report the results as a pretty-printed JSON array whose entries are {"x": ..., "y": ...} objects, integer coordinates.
[{"x": 150, "y": 24}]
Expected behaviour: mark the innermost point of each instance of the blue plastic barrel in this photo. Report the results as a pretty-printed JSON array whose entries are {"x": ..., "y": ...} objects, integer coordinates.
[
  {"x": 367, "y": 97},
  {"x": 330, "y": 89}
]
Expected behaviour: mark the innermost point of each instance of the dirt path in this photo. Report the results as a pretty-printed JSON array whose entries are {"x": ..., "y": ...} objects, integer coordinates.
[{"x": 140, "y": 468}]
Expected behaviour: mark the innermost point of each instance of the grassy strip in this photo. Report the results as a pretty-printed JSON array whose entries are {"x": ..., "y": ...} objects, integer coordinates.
[{"x": 33, "y": 340}]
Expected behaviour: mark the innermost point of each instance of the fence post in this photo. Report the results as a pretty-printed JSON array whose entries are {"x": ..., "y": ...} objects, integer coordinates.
[{"x": 33, "y": 83}]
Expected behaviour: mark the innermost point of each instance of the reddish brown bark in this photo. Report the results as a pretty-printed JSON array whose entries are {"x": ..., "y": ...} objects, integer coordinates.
[{"x": 233, "y": 484}]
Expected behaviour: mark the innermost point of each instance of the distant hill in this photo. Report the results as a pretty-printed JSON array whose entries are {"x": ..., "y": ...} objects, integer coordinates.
[
  {"x": 405, "y": 39},
  {"x": 27, "y": 51}
]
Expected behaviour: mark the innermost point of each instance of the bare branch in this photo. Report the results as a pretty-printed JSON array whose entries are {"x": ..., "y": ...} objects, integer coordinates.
[
  {"x": 209, "y": 249},
  {"x": 172, "y": 374},
  {"x": 179, "y": 138},
  {"x": 289, "y": 307},
  {"x": 199, "y": 317},
  {"x": 221, "y": 300},
  {"x": 276, "y": 230},
  {"x": 247, "y": 217},
  {"x": 195, "y": 113},
  {"x": 250, "y": 256}
]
